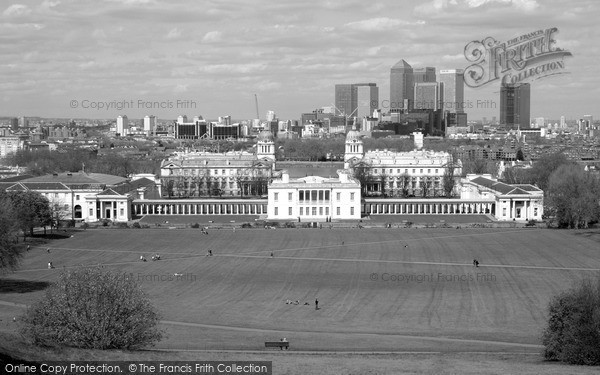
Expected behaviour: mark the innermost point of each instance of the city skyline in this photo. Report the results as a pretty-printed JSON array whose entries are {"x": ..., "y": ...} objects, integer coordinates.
[{"x": 290, "y": 55}]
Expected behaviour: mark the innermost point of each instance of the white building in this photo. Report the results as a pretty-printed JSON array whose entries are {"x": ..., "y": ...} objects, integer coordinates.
[
  {"x": 390, "y": 173},
  {"x": 511, "y": 202},
  {"x": 314, "y": 198},
  {"x": 122, "y": 125},
  {"x": 88, "y": 197},
  {"x": 9, "y": 145},
  {"x": 149, "y": 124},
  {"x": 237, "y": 173}
]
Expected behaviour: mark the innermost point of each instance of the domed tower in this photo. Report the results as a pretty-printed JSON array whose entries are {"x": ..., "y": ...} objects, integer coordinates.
[
  {"x": 265, "y": 147},
  {"x": 354, "y": 147}
]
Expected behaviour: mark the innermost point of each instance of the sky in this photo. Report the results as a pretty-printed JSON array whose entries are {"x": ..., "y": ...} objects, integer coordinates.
[{"x": 67, "y": 58}]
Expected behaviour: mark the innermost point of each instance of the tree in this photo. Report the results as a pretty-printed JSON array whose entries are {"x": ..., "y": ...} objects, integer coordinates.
[
  {"x": 572, "y": 334},
  {"x": 514, "y": 175},
  {"x": 545, "y": 166},
  {"x": 405, "y": 185},
  {"x": 520, "y": 156},
  {"x": 88, "y": 308},
  {"x": 573, "y": 197},
  {"x": 31, "y": 210},
  {"x": 449, "y": 178},
  {"x": 9, "y": 253},
  {"x": 362, "y": 172}
]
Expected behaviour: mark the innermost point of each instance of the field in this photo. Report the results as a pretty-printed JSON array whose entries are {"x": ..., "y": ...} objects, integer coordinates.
[{"x": 379, "y": 290}]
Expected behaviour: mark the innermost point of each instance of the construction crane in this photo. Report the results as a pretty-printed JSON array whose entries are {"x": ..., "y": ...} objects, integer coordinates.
[{"x": 256, "y": 102}]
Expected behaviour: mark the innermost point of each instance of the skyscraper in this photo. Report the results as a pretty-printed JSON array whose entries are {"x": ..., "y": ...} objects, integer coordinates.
[
  {"x": 150, "y": 124},
  {"x": 345, "y": 99},
  {"x": 401, "y": 86},
  {"x": 428, "y": 95},
  {"x": 426, "y": 74},
  {"x": 514, "y": 105},
  {"x": 356, "y": 99},
  {"x": 367, "y": 99},
  {"x": 122, "y": 125},
  {"x": 454, "y": 90}
]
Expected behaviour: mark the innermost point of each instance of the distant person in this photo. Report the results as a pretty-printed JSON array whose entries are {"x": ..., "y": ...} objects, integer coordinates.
[
  {"x": 476, "y": 263},
  {"x": 50, "y": 266},
  {"x": 48, "y": 250},
  {"x": 28, "y": 247},
  {"x": 316, "y": 304}
]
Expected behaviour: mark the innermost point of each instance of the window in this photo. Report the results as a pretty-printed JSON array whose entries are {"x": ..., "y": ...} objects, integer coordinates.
[
  {"x": 337, "y": 211},
  {"x": 351, "y": 211},
  {"x": 276, "y": 197},
  {"x": 535, "y": 211},
  {"x": 420, "y": 171},
  {"x": 436, "y": 171},
  {"x": 276, "y": 211},
  {"x": 313, "y": 195},
  {"x": 375, "y": 170},
  {"x": 223, "y": 171},
  {"x": 290, "y": 195},
  {"x": 428, "y": 170},
  {"x": 326, "y": 211},
  {"x": 301, "y": 211},
  {"x": 314, "y": 211},
  {"x": 327, "y": 195},
  {"x": 504, "y": 211},
  {"x": 320, "y": 195},
  {"x": 301, "y": 195},
  {"x": 122, "y": 212},
  {"x": 289, "y": 211},
  {"x": 406, "y": 171},
  {"x": 321, "y": 211},
  {"x": 390, "y": 170},
  {"x": 338, "y": 195},
  {"x": 413, "y": 170},
  {"x": 352, "y": 196},
  {"x": 91, "y": 212},
  {"x": 77, "y": 197},
  {"x": 66, "y": 207}
]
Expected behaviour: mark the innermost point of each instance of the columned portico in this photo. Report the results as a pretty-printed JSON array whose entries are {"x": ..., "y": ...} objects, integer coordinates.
[{"x": 379, "y": 206}]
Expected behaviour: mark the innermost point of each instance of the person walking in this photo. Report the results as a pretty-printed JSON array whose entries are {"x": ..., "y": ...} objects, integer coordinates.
[{"x": 316, "y": 304}]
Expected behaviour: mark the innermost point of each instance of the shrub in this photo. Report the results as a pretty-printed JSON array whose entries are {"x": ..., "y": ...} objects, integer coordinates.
[
  {"x": 106, "y": 222},
  {"x": 88, "y": 308},
  {"x": 195, "y": 225},
  {"x": 246, "y": 225},
  {"x": 85, "y": 225},
  {"x": 136, "y": 225},
  {"x": 573, "y": 331},
  {"x": 123, "y": 225}
]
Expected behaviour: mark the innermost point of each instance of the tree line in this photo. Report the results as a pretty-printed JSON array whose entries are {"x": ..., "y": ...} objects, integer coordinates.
[
  {"x": 571, "y": 194},
  {"x": 74, "y": 160}
]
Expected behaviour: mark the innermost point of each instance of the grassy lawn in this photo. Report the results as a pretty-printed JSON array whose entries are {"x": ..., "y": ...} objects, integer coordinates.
[{"x": 378, "y": 290}]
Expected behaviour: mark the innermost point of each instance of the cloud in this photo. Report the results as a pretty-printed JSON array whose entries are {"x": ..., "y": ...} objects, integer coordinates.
[
  {"x": 17, "y": 10},
  {"x": 377, "y": 24},
  {"x": 436, "y": 6},
  {"x": 174, "y": 33},
  {"x": 212, "y": 36}
]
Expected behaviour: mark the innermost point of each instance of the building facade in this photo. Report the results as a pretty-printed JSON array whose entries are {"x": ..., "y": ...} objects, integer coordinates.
[
  {"x": 401, "y": 86},
  {"x": 515, "y": 105},
  {"x": 314, "y": 198},
  {"x": 511, "y": 202},
  {"x": 390, "y": 173},
  {"x": 453, "y": 85},
  {"x": 199, "y": 174}
]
